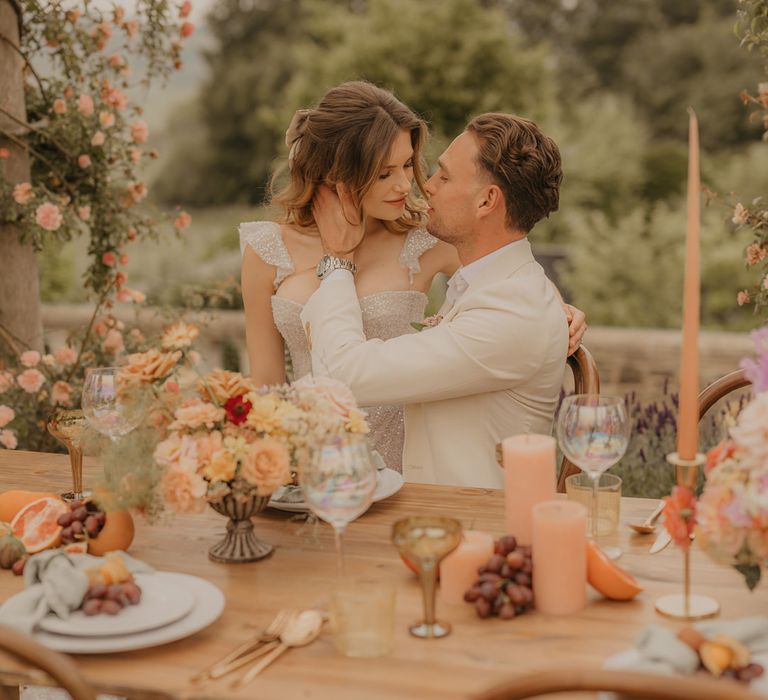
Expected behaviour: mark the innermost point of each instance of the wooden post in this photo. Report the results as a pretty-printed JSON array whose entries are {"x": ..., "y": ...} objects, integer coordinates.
[{"x": 19, "y": 285}]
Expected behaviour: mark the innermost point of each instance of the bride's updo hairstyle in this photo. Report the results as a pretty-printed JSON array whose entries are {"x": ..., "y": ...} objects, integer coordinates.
[{"x": 346, "y": 139}]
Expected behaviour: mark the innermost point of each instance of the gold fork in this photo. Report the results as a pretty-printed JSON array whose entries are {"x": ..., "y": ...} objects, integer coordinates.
[{"x": 248, "y": 650}]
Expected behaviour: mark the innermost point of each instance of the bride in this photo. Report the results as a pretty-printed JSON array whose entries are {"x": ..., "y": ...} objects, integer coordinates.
[{"x": 361, "y": 140}]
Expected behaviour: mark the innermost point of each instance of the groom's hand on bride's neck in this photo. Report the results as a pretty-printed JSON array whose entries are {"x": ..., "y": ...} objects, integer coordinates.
[{"x": 338, "y": 221}]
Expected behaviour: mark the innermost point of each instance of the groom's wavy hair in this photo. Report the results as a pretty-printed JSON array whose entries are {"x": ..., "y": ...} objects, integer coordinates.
[
  {"x": 523, "y": 162},
  {"x": 346, "y": 139}
]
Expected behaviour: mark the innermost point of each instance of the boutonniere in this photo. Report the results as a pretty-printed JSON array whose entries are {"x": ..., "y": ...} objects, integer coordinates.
[{"x": 428, "y": 322}]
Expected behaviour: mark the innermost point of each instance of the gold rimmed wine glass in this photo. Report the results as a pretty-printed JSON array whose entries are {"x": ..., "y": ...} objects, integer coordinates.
[
  {"x": 112, "y": 409},
  {"x": 426, "y": 541},
  {"x": 68, "y": 425}
]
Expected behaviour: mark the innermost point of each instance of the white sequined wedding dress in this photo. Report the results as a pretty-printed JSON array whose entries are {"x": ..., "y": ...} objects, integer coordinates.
[{"x": 385, "y": 315}]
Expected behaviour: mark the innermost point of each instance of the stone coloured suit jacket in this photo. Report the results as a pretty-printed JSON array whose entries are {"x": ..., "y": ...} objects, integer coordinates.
[{"x": 493, "y": 367}]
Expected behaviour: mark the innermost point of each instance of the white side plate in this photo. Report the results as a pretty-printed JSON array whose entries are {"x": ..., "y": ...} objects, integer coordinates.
[
  {"x": 162, "y": 602},
  {"x": 208, "y": 606}
]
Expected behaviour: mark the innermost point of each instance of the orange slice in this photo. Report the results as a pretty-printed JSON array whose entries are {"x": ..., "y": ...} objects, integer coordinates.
[
  {"x": 35, "y": 524},
  {"x": 605, "y": 577}
]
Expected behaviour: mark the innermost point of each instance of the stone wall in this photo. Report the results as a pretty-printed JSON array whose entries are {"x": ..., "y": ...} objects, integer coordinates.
[{"x": 629, "y": 359}]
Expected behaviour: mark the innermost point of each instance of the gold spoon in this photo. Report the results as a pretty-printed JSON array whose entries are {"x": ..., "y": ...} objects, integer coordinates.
[
  {"x": 649, "y": 524},
  {"x": 298, "y": 632}
]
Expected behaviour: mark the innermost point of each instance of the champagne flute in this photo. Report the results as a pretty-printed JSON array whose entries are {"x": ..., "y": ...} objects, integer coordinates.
[
  {"x": 110, "y": 409},
  {"x": 67, "y": 425},
  {"x": 426, "y": 541},
  {"x": 593, "y": 432},
  {"x": 338, "y": 484}
]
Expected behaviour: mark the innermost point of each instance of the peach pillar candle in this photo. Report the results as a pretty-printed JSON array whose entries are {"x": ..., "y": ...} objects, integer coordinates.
[
  {"x": 559, "y": 554},
  {"x": 458, "y": 571},
  {"x": 529, "y": 478},
  {"x": 688, "y": 419}
]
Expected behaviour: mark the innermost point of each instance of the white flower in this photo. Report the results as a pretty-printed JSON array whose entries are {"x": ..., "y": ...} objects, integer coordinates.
[{"x": 751, "y": 431}]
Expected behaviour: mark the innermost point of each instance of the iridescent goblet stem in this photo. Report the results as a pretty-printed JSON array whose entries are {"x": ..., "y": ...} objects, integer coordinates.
[{"x": 67, "y": 426}]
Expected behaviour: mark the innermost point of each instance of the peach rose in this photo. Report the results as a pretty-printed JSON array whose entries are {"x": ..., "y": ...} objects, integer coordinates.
[
  {"x": 85, "y": 105},
  {"x": 139, "y": 131},
  {"x": 65, "y": 355},
  {"x": 179, "y": 336},
  {"x": 30, "y": 358},
  {"x": 126, "y": 294},
  {"x": 124, "y": 259},
  {"x": 48, "y": 217},
  {"x": 146, "y": 367},
  {"x": 221, "y": 385},
  {"x": 337, "y": 394},
  {"x": 22, "y": 193},
  {"x": 7, "y": 414},
  {"x": 222, "y": 467},
  {"x": 31, "y": 380},
  {"x": 186, "y": 29},
  {"x": 113, "y": 342},
  {"x": 184, "y": 491},
  {"x": 266, "y": 465},
  {"x": 109, "y": 258},
  {"x": 185, "y": 9},
  {"x": 106, "y": 119},
  {"x": 207, "y": 445},
  {"x": 6, "y": 381},
  {"x": 98, "y": 139},
  {"x": 196, "y": 414},
  {"x": 177, "y": 452},
  {"x": 84, "y": 161},
  {"x": 61, "y": 393},
  {"x": 59, "y": 106},
  {"x": 182, "y": 221},
  {"x": 8, "y": 439}
]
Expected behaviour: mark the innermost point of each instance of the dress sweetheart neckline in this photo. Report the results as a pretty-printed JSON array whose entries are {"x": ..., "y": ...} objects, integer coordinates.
[{"x": 360, "y": 299}]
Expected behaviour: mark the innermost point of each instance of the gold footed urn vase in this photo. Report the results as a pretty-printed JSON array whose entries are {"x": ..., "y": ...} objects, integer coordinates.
[{"x": 240, "y": 545}]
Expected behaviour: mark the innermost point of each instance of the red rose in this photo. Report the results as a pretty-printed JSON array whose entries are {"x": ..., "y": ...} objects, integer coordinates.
[{"x": 237, "y": 409}]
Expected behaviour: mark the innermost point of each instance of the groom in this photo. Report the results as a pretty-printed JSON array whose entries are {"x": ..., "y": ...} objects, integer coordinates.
[{"x": 493, "y": 364}]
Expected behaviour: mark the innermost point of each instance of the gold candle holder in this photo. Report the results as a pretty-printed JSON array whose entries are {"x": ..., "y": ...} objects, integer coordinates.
[
  {"x": 67, "y": 425},
  {"x": 684, "y": 606}
]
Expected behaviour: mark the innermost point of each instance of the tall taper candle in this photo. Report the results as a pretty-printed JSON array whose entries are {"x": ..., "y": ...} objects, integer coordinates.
[{"x": 688, "y": 420}]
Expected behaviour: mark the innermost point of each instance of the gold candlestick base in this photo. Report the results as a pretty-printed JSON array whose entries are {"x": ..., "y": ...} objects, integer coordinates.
[{"x": 684, "y": 606}]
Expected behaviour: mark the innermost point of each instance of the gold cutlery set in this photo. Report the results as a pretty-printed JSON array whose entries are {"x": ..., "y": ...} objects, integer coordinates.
[{"x": 289, "y": 628}]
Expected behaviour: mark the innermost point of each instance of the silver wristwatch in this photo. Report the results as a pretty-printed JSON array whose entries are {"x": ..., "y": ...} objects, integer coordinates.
[{"x": 329, "y": 263}]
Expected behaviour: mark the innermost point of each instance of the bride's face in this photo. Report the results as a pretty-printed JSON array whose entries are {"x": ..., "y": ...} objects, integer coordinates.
[{"x": 385, "y": 200}]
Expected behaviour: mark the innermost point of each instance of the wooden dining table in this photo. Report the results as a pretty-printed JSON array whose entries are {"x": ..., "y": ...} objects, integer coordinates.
[{"x": 302, "y": 571}]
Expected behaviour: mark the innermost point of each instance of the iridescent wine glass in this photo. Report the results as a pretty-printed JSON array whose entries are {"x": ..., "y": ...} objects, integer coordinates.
[
  {"x": 338, "y": 484},
  {"x": 593, "y": 432},
  {"x": 112, "y": 409},
  {"x": 425, "y": 541},
  {"x": 67, "y": 425}
]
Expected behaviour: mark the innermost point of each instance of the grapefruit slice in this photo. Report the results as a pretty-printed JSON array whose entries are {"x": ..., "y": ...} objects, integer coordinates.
[
  {"x": 608, "y": 579},
  {"x": 35, "y": 524},
  {"x": 11, "y": 502}
]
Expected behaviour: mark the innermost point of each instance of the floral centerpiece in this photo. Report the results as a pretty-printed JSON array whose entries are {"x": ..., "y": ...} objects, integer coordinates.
[
  {"x": 229, "y": 445},
  {"x": 732, "y": 512}
]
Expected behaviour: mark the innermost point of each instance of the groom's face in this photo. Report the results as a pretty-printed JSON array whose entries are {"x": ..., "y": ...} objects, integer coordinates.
[{"x": 452, "y": 191}]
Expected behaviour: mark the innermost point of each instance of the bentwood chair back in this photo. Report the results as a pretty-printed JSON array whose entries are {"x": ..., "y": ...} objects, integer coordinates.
[
  {"x": 721, "y": 387},
  {"x": 644, "y": 686},
  {"x": 586, "y": 380},
  {"x": 59, "y": 667}
]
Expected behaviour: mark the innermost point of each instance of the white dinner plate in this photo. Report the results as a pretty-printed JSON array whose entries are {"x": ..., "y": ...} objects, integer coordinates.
[
  {"x": 629, "y": 658},
  {"x": 208, "y": 606},
  {"x": 162, "y": 602},
  {"x": 388, "y": 483}
]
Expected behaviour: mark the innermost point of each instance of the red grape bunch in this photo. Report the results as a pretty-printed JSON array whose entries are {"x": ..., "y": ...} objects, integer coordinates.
[
  {"x": 83, "y": 520},
  {"x": 101, "y": 598},
  {"x": 504, "y": 584}
]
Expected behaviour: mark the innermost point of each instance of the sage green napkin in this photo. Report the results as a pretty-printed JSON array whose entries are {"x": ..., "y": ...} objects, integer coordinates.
[{"x": 55, "y": 582}]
